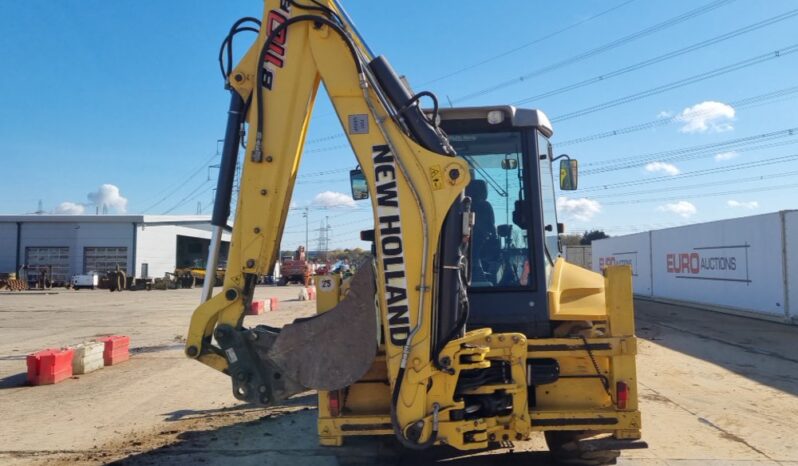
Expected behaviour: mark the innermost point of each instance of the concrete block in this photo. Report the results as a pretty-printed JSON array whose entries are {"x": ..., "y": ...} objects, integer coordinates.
[{"x": 88, "y": 357}]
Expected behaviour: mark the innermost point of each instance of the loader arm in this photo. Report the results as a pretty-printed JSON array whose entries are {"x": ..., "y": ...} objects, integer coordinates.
[{"x": 413, "y": 183}]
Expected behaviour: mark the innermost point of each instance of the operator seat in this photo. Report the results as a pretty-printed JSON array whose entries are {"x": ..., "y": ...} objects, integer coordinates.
[{"x": 484, "y": 242}]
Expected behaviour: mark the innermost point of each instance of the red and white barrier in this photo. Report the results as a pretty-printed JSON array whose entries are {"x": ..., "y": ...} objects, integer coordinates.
[
  {"x": 117, "y": 349},
  {"x": 256, "y": 308},
  {"x": 49, "y": 366}
]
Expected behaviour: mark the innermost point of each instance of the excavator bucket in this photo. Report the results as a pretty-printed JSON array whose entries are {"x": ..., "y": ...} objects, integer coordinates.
[
  {"x": 334, "y": 349},
  {"x": 328, "y": 351}
]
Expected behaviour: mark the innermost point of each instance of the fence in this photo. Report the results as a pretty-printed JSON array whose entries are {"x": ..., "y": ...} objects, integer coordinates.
[{"x": 747, "y": 264}]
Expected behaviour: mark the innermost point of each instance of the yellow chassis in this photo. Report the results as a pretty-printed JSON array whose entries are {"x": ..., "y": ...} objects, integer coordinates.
[{"x": 577, "y": 401}]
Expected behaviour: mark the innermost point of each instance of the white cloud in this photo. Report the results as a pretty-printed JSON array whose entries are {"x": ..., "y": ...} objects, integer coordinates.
[
  {"x": 334, "y": 199},
  {"x": 580, "y": 209},
  {"x": 668, "y": 168},
  {"x": 707, "y": 116},
  {"x": 742, "y": 205},
  {"x": 108, "y": 195},
  {"x": 725, "y": 156},
  {"x": 69, "y": 208},
  {"x": 682, "y": 208},
  {"x": 664, "y": 114}
]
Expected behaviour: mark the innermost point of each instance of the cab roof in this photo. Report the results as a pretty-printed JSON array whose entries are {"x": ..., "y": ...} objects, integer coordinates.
[{"x": 518, "y": 117}]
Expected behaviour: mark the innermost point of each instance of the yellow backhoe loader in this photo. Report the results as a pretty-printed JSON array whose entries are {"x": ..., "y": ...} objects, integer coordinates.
[{"x": 467, "y": 328}]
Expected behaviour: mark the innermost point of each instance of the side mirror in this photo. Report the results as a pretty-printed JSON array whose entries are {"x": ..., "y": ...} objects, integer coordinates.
[
  {"x": 509, "y": 164},
  {"x": 569, "y": 174},
  {"x": 357, "y": 181}
]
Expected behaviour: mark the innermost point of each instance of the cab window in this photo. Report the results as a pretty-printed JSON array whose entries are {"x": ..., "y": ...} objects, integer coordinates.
[
  {"x": 499, "y": 247},
  {"x": 548, "y": 202}
]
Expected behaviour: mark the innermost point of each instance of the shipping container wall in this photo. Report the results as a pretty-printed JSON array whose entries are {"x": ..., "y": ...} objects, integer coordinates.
[
  {"x": 634, "y": 250},
  {"x": 731, "y": 263},
  {"x": 791, "y": 277}
]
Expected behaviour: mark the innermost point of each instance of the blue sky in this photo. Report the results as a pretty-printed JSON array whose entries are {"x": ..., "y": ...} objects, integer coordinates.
[{"x": 128, "y": 93}]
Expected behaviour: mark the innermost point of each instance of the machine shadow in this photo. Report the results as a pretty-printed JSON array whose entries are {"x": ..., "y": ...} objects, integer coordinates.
[
  {"x": 290, "y": 438},
  {"x": 761, "y": 351},
  {"x": 14, "y": 381}
]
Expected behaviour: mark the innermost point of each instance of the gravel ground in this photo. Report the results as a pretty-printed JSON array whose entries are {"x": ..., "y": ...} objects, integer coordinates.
[{"x": 715, "y": 390}]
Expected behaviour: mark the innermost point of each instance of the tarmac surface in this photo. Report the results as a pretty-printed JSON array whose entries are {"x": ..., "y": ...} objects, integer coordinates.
[{"x": 715, "y": 390}]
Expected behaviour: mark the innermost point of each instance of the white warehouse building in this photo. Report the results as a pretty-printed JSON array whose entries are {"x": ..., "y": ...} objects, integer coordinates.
[{"x": 142, "y": 245}]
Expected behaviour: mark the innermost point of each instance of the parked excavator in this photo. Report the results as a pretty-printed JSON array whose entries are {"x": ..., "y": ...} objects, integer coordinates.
[{"x": 467, "y": 328}]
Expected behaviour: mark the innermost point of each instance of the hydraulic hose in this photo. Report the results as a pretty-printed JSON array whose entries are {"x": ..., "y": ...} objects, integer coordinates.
[
  {"x": 274, "y": 33},
  {"x": 397, "y": 430}
]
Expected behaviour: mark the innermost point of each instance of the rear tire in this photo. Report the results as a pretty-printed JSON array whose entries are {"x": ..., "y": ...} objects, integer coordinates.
[{"x": 564, "y": 448}]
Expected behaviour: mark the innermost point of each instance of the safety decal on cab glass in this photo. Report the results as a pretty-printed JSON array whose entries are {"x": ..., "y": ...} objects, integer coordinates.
[{"x": 436, "y": 177}]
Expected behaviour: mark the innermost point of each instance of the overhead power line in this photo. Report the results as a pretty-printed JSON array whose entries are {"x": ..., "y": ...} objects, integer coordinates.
[
  {"x": 713, "y": 194},
  {"x": 769, "y": 97},
  {"x": 601, "y": 49},
  {"x": 527, "y": 44},
  {"x": 669, "y": 178},
  {"x": 327, "y": 149},
  {"x": 691, "y": 174},
  {"x": 490, "y": 59},
  {"x": 751, "y": 101},
  {"x": 725, "y": 182},
  {"x": 325, "y": 138},
  {"x": 661, "y": 58},
  {"x": 680, "y": 83},
  {"x": 331, "y": 171},
  {"x": 194, "y": 194},
  {"x": 671, "y": 154},
  {"x": 173, "y": 191}
]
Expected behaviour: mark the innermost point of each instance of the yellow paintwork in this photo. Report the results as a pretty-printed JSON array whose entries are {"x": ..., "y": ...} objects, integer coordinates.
[
  {"x": 328, "y": 292},
  {"x": 427, "y": 187},
  {"x": 575, "y": 293}
]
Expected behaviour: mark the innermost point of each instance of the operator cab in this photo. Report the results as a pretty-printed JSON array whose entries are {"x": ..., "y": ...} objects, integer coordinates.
[{"x": 515, "y": 238}]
